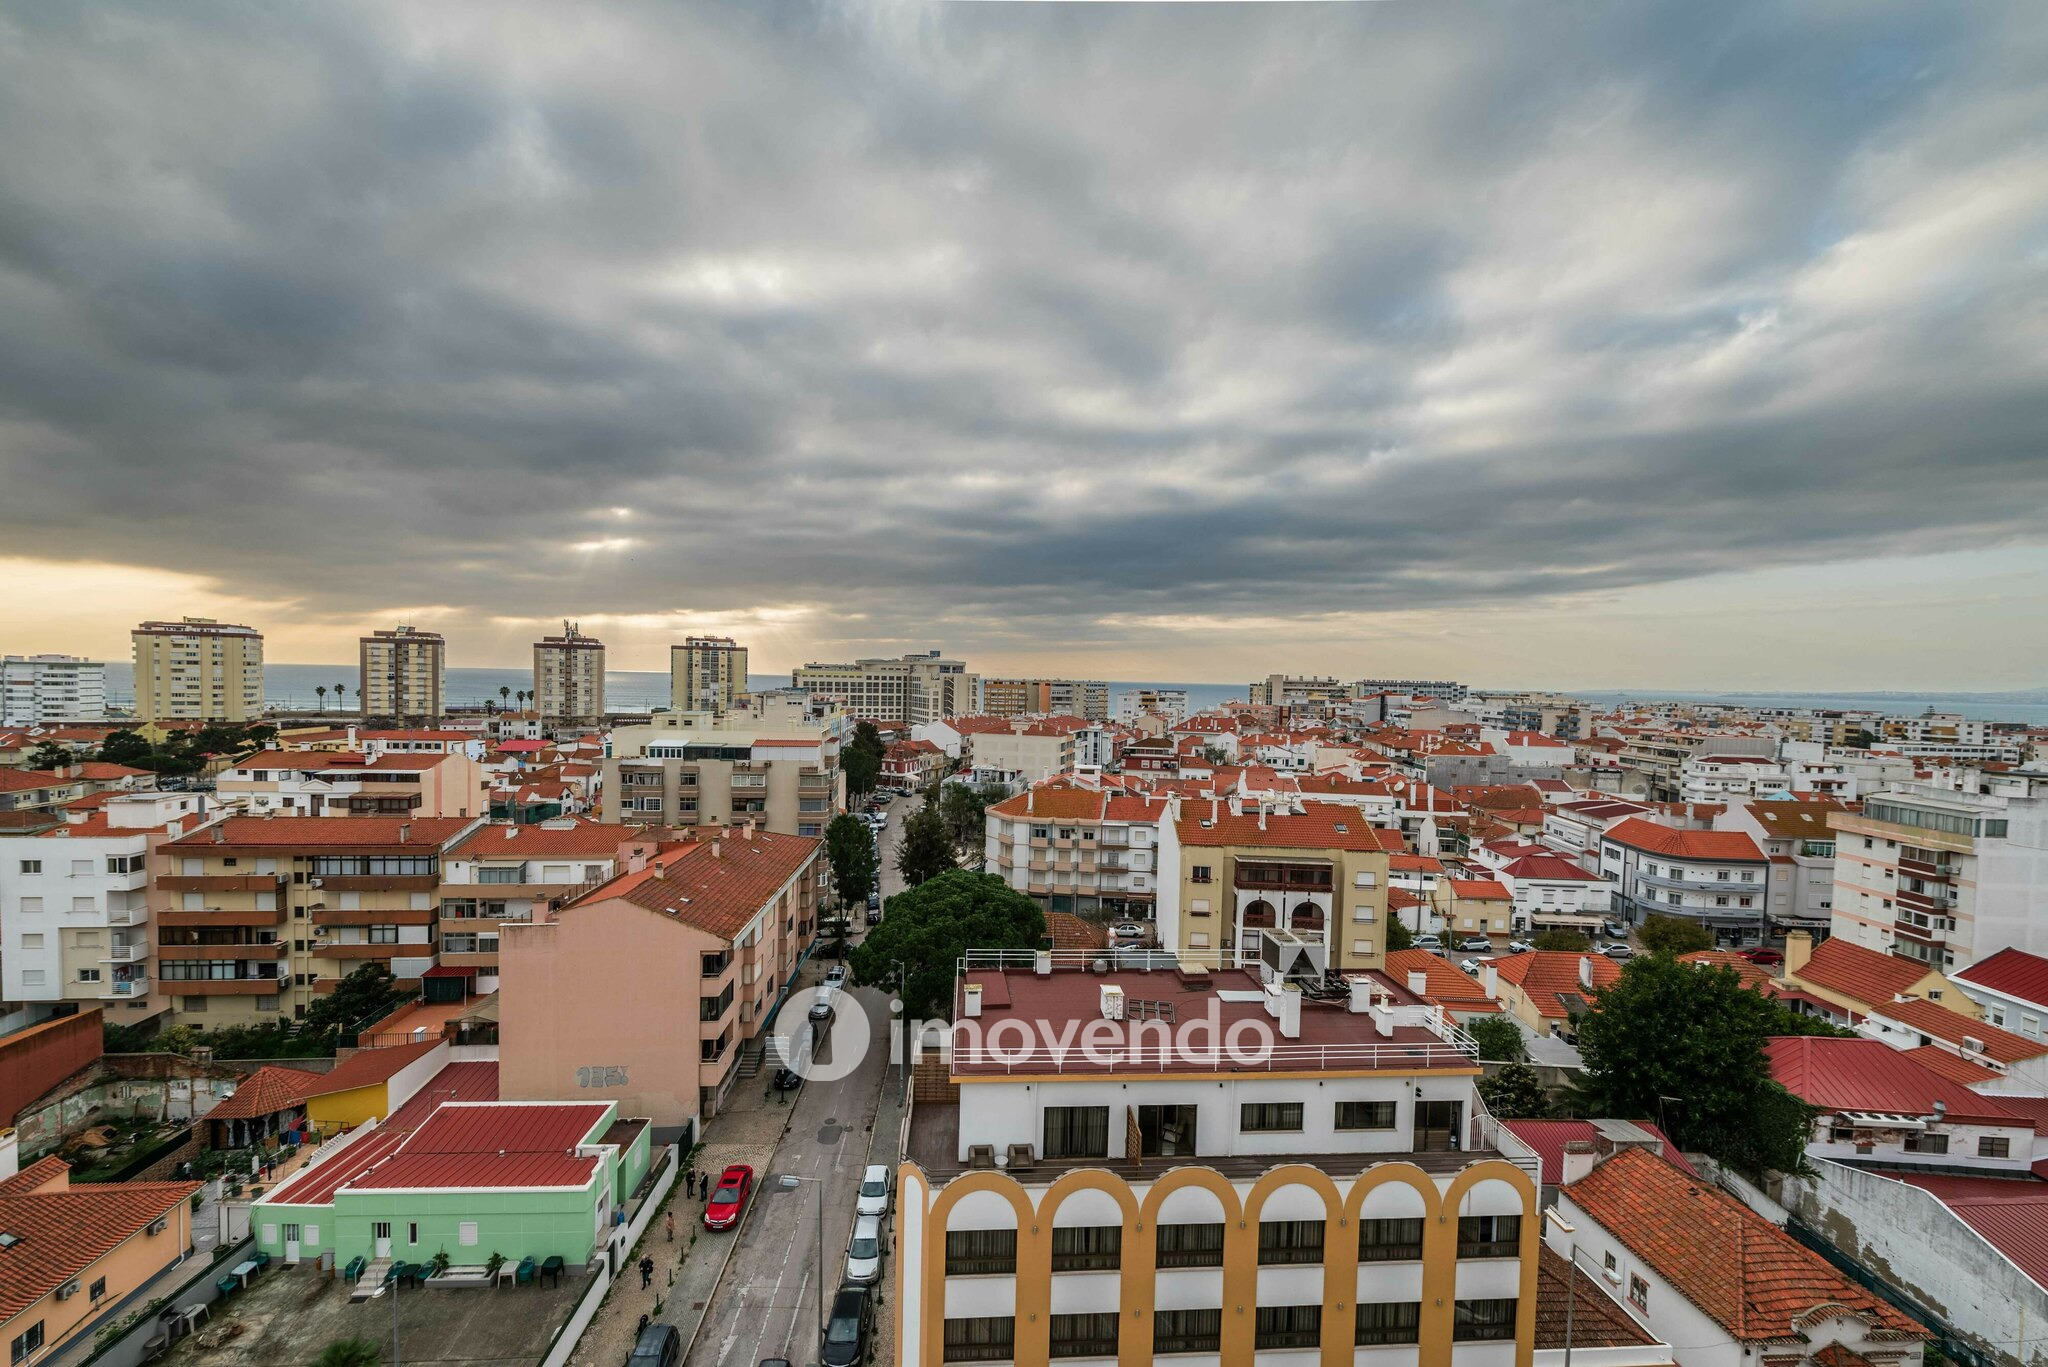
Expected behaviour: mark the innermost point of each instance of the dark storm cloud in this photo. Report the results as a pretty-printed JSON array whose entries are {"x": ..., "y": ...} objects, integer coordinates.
[{"x": 1020, "y": 319}]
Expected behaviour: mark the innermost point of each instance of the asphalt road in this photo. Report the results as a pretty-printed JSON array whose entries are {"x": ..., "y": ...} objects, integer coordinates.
[
  {"x": 892, "y": 834},
  {"x": 767, "y": 1305}
]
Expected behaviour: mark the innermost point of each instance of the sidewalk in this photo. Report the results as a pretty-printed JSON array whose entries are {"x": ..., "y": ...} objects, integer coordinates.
[{"x": 884, "y": 1147}]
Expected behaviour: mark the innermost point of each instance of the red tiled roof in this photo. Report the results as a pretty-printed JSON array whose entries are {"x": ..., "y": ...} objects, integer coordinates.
[
  {"x": 1743, "y": 1272},
  {"x": 1550, "y": 979},
  {"x": 1861, "y": 975},
  {"x": 1936, "y": 1021},
  {"x": 717, "y": 893},
  {"x": 1069, "y": 931},
  {"x": 2012, "y": 972},
  {"x": 369, "y": 1066},
  {"x": 1752, "y": 975},
  {"x": 1447, "y": 986},
  {"x": 1318, "y": 826},
  {"x": 63, "y": 1230},
  {"x": 536, "y": 1127},
  {"x": 354, "y": 832},
  {"x": 30, "y": 780},
  {"x": 268, "y": 1090},
  {"x": 1869, "y": 1075},
  {"x": 464, "y": 1081},
  {"x": 1479, "y": 889},
  {"x": 1551, "y": 867},
  {"x": 1596, "y": 1319},
  {"x": 593, "y": 839},
  {"x": 1548, "y": 1138},
  {"x": 1724, "y": 847}
]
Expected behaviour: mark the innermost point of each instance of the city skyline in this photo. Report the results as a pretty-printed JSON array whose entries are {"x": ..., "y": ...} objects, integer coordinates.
[{"x": 1650, "y": 350}]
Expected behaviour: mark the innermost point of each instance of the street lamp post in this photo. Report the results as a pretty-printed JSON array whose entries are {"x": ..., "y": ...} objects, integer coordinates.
[
  {"x": 788, "y": 1182},
  {"x": 392, "y": 1287}
]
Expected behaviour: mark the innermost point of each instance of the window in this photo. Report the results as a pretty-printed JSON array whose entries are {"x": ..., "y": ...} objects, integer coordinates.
[
  {"x": 1926, "y": 1143},
  {"x": 291, "y": 1233},
  {"x": 1476, "y": 1321},
  {"x": 383, "y": 935},
  {"x": 1269, "y": 1117},
  {"x": 1084, "y": 1336},
  {"x": 1077, "y": 1132},
  {"x": 1389, "y": 1241},
  {"x": 1364, "y": 879},
  {"x": 1187, "y": 1331},
  {"x": 1382, "y": 1322},
  {"x": 32, "y": 866},
  {"x": 465, "y": 1233},
  {"x": 1611, "y": 1266},
  {"x": 989, "y": 1339},
  {"x": 1365, "y": 1115},
  {"x": 979, "y": 1252},
  {"x": 1290, "y": 1241},
  {"x": 125, "y": 863},
  {"x": 412, "y": 1232},
  {"x": 1638, "y": 1292},
  {"x": 711, "y": 1008},
  {"x": 1087, "y": 1248},
  {"x": 26, "y": 1343},
  {"x": 1289, "y": 1326},
  {"x": 98, "y": 1288},
  {"x": 1188, "y": 1246},
  {"x": 1989, "y": 1146},
  {"x": 1200, "y": 873},
  {"x": 1489, "y": 1236},
  {"x": 715, "y": 964},
  {"x": 88, "y": 975}
]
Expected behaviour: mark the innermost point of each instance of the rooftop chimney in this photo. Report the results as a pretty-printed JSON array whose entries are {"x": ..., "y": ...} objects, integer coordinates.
[
  {"x": 715, "y": 848},
  {"x": 1041, "y": 963},
  {"x": 1489, "y": 979},
  {"x": 511, "y": 832},
  {"x": 1112, "y": 1002},
  {"x": 1290, "y": 1011},
  {"x": 1586, "y": 972},
  {"x": 1580, "y": 1157},
  {"x": 1418, "y": 981},
  {"x": 970, "y": 999},
  {"x": 1798, "y": 949},
  {"x": 404, "y": 831}
]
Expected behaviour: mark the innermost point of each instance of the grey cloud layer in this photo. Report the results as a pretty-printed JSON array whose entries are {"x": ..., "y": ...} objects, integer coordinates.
[{"x": 1043, "y": 313}]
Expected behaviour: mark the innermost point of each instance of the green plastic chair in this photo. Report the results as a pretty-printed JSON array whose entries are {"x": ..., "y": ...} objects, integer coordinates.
[
  {"x": 227, "y": 1286},
  {"x": 354, "y": 1269},
  {"x": 525, "y": 1274}
]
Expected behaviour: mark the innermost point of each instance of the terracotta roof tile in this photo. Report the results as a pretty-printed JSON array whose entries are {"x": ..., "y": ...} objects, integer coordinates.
[
  {"x": 62, "y": 1230},
  {"x": 1718, "y": 846},
  {"x": 366, "y": 1067},
  {"x": 268, "y": 1090},
  {"x": 1550, "y": 979},
  {"x": 716, "y": 892},
  {"x": 1743, "y": 1272},
  {"x": 1936, "y": 1021},
  {"x": 1861, "y": 975}
]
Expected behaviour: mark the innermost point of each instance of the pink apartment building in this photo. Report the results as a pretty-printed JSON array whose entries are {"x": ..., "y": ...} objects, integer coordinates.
[{"x": 604, "y": 998}]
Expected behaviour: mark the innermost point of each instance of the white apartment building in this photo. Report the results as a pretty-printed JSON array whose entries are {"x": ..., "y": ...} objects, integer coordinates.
[
  {"x": 1796, "y": 837},
  {"x": 1731, "y": 778},
  {"x": 1170, "y": 703},
  {"x": 1444, "y": 690},
  {"x": 704, "y": 768},
  {"x": 504, "y": 875},
  {"x": 1947, "y": 733},
  {"x": 39, "y": 689},
  {"x": 568, "y": 676},
  {"x": 74, "y": 906},
  {"x": 1343, "y": 1199},
  {"x": 198, "y": 669},
  {"x": 1078, "y": 849},
  {"x": 1831, "y": 771},
  {"x": 1717, "y": 878},
  {"x": 404, "y": 672},
  {"x": 706, "y": 674},
  {"x": 1032, "y": 750},
  {"x": 915, "y": 688},
  {"x": 1942, "y": 877}
]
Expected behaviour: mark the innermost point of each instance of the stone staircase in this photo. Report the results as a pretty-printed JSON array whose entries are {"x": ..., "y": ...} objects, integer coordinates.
[
  {"x": 753, "y": 1058},
  {"x": 373, "y": 1277}
]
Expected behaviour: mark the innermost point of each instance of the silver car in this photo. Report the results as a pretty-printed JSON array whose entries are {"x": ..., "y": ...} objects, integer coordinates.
[
  {"x": 864, "y": 1254},
  {"x": 874, "y": 1191}
]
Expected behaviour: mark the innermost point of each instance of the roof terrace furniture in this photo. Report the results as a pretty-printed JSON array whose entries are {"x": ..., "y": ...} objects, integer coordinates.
[
  {"x": 527, "y": 1267},
  {"x": 354, "y": 1269},
  {"x": 553, "y": 1266}
]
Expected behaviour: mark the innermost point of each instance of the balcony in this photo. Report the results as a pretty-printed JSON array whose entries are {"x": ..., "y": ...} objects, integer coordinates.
[
  {"x": 376, "y": 916},
  {"x": 1921, "y": 902},
  {"x": 250, "y": 952},
  {"x": 1924, "y": 935},
  {"x": 221, "y": 916},
  {"x": 381, "y": 882},
  {"x": 127, "y": 916},
  {"x": 125, "y": 954},
  {"x": 336, "y": 949},
  {"x": 227, "y": 987},
  {"x": 131, "y": 985},
  {"x": 186, "y": 882},
  {"x": 1255, "y": 882},
  {"x": 1927, "y": 868}
]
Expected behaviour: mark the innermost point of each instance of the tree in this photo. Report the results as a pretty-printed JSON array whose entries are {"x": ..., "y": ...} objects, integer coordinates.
[
  {"x": 861, "y": 760},
  {"x": 932, "y": 925},
  {"x": 926, "y": 850},
  {"x": 1215, "y": 754},
  {"x": 1515, "y": 1093},
  {"x": 320, "y": 691},
  {"x": 50, "y": 755},
  {"x": 504, "y": 693},
  {"x": 1499, "y": 1039},
  {"x": 125, "y": 747},
  {"x": 1861, "y": 739},
  {"x": 1569, "y": 941},
  {"x": 358, "y": 999},
  {"x": 349, "y": 1353},
  {"x": 1674, "y": 935},
  {"x": 965, "y": 809},
  {"x": 855, "y": 864},
  {"x": 1693, "y": 1038},
  {"x": 1399, "y": 937}
]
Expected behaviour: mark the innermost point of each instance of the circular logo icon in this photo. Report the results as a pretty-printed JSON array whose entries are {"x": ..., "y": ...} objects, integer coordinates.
[{"x": 821, "y": 1036}]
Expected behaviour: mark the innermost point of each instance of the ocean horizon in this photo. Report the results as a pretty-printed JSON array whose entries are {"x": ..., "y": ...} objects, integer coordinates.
[{"x": 294, "y": 685}]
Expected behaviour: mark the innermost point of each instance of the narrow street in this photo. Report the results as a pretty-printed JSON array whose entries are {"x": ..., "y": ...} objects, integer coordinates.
[{"x": 767, "y": 1304}]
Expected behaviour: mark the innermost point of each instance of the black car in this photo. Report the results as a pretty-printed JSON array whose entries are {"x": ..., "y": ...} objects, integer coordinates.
[
  {"x": 874, "y": 901},
  {"x": 874, "y": 916},
  {"x": 846, "y": 1333},
  {"x": 788, "y": 1080},
  {"x": 659, "y": 1345}
]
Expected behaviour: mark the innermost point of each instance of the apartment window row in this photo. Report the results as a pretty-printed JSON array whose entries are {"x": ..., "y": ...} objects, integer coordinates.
[
  {"x": 1098, "y": 1248},
  {"x": 373, "y": 866}
]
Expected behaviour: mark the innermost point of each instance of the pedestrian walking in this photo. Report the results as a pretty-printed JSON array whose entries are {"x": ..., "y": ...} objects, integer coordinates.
[
  {"x": 669, "y": 1225},
  {"x": 646, "y": 1273}
]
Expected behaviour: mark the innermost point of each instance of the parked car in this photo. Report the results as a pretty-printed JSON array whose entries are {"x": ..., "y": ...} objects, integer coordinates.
[
  {"x": 821, "y": 1011},
  {"x": 874, "y": 1191},
  {"x": 788, "y": 1080},
  {"x": 1474, "y": 944},
  {"x": 1129, "y": 930},
  {"x": 1521, "y": 947},
  {"x": 864, "y": 1254},
  {"x": 846, "y": 1333},
  {"x": 836, "y": 977},
  {"x": 1471, "y": 966},
  {"x": 729, "y": 1197},
  {"x": 1618, "y": 929},
  {"x": 659, "y": 1345},
  {"x": 874, "y": 900},
  {"x": 1618, "y": 950},
  {"x": 1768, "y": 958},
  {"x": 874, "y": 916},
  {"x": 1429, "y": 942}
]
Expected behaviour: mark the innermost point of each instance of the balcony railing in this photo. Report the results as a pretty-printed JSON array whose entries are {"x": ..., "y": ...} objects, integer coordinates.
[{"x": 125, "y": 954}]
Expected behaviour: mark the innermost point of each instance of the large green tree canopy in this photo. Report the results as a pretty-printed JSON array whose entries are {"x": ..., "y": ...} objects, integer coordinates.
[{"x": 932, "y": 925}]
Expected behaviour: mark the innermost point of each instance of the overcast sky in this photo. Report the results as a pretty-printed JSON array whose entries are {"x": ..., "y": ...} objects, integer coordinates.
[{"x": 1643, "y": 345}]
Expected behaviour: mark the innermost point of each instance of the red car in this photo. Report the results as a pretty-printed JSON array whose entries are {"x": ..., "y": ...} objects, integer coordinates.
[
  {"x": 1767, "y": 958},
  {"x": 729, "y": 1197}
]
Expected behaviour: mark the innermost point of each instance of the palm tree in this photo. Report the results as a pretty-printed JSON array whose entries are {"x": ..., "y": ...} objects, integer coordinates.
[
  {"x": 321, "y": 689},
  {"x": 340, "y": 694},
  {"x": 504, "y": 693},
  {"x": 522, "y": 700}
]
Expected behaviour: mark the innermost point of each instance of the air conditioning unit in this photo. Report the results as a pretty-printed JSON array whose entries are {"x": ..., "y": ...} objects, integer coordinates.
[
  {"x": 315, "y": 883},
  {"x": 158, "y": 1225},
  {"x": 68, "y": 1290}
]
